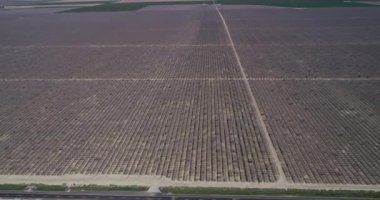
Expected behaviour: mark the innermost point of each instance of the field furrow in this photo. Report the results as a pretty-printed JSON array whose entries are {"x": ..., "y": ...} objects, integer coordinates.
[
  {"x": 324, "y": 132},
  {"x": 184, "y": 130}
]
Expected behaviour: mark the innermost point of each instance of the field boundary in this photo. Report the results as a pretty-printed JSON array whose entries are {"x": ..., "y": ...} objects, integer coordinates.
[
  {"x": 161, "y": 181},
  {"x": 178, "y": 45},
  {"x": 186, "y": 79},
  {"x": 242, "y": 192},
  {"x": 112, "y": 46}
]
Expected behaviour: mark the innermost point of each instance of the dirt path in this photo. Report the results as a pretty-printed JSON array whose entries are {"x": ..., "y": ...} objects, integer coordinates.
[{"x": 281, "y": 175}]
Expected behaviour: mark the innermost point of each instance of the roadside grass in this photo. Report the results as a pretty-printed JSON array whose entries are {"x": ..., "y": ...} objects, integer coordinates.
[
  {"x": 269, "y": 192},
  {"x": 13, "y": 187},
  {"x": 74, "y": 188},
  {"x": 71, "y": 3},
  {"x": 110, "y": 6},
  {"x": 103, "y": 188},
  {"x": 44, "y": 187},
  {"x": 298, "y": 3}
]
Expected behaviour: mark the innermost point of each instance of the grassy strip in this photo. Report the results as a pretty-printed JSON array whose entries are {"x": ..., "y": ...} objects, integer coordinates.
[
  {"x": 297, "y": 3},
  {"x": 109, "y": 7},
  {"x": 71, "y": 3},
  {"x": 43, "y": 187},
  {"x": 270, "y": 192},
  {"x": 108, "y": 188},
  {"x": 131, "y": 6},
  {"x": 62, "y": 188},
  {"x": 13, "y": 187}
]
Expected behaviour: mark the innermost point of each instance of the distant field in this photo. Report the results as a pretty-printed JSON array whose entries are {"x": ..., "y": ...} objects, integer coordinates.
[
  {"x": 297, "y": 3},
  {"x": 133, "y": 5},
  {"x": 71, "y": 2}
]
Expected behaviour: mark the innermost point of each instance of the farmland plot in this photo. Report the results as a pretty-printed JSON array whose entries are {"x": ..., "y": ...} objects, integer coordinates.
[
  {"x": 185, "y": 130},
  {"x": 311, "y": 61},
  {"x": 243, "y": 17},
  {"x": 324, "y": 132},
  {"x": 285, "y": 15},
  {"x": 160, "y": 92},
  {"x": 320, "y": 43},
  {"x": 321, "y": 35},
  {"x": 119, "y": 62},
  {"x": 311, "y": 26},
  {"x": 168, "y": 28}
]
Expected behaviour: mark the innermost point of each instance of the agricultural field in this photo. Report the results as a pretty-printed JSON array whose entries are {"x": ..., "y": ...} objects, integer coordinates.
[
  {"x": 193, "y": 93},
  {"x": 307, "y": 43},
  {"x": 326, "y": 131},
  {"x": 185, "y": 130},
  {"x": 305, "y": 68},
  {"x": 120, "y": 62}
]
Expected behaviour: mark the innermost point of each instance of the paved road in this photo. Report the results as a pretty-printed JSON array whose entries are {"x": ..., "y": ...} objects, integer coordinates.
[{"x": 139, "y": 196}]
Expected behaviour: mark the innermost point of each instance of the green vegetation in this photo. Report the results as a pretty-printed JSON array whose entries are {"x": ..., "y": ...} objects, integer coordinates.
[
  {"x": 271, "y": 192},
  {"x": 43, "y": 187},
  {"x": 13, "y": 187},
  {"x": 35, "y": 187},
  {"x": 111, "y": 6},
  {"x": 61, "y": 188},
  {"x": 71, "y": 3},
  {"x": 108, "y": 188},
  {"x": 298, "y": 3},
  {"x": 131, "y": 6}
]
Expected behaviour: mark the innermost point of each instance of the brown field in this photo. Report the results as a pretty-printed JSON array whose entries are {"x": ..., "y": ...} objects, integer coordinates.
[
  {"x": 324, "y": 131},
  {"x": 160, "y": 91},
  {"x": 185, "y": 130},
  {"x": 120, "y": 62}
]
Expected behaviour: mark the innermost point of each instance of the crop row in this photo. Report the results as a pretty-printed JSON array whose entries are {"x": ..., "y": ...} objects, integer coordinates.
[
  {"x": 273, "y": 26},
  {"x": 119, "y": 62},
  {"x": 200, "y": 26},
  {"x": 310, "y": 61},
  {"x": 185, "y": 130},
  {"x": 324, "y": 36},
  {"x": 290, "y": 18},
  {"x": 324, "y": 132}
]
